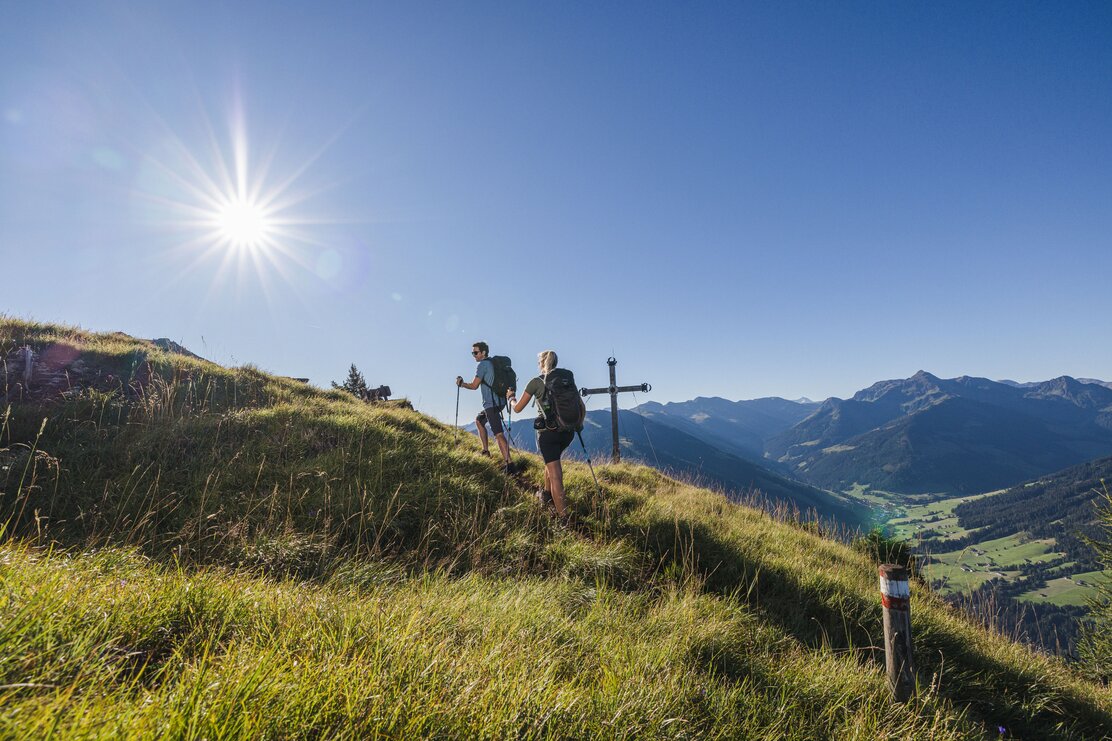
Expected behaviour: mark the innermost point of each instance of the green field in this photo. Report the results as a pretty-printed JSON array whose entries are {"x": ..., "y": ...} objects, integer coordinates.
[
  {"x": 929, "y": 525},
  {"x": 931, "y": 520},
  {"x": 1073, "y": 591},
  {"x": 885, "y": 505},
  {"x": 912, "y": 516},
  {"x": 970, "y": 567}
]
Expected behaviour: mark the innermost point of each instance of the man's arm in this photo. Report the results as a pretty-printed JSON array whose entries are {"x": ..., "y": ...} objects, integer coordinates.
[
  {"x": 478, "y": 378},
  {"x": 472, "y": 385}
]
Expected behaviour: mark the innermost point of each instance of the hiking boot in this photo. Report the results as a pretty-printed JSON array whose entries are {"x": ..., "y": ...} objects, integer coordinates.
[
  {"x": 485, "y": 452},
  {"x": 508, "y": 468},
  {"x": 544, "y": 498}
]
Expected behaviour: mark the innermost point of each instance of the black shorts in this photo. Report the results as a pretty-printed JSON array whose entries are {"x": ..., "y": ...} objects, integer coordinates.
[
  {"x": 553, "y": 443},
  {"x": 491, "y": 416}
]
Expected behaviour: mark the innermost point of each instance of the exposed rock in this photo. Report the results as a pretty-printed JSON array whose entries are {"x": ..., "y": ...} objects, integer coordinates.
[{"x": 170, "y": 346}]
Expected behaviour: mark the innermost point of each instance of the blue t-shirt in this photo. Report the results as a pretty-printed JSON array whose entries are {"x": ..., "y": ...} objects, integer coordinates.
[{"x": 485, "y": 372}]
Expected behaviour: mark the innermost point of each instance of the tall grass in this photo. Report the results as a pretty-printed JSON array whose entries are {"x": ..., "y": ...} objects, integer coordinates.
[
  {"x": 1096, "y": 641},
  {"x": 194, "y": 551},
  {"x": 214, "y": 654}
]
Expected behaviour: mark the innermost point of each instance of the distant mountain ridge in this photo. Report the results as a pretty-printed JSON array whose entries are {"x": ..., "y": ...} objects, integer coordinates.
[
  {"x": 963, "y": 434},
  {"x": 912, "y": 435},
  {"x": 1029, "y": 384},
  {"x": 739, "y": 427}
]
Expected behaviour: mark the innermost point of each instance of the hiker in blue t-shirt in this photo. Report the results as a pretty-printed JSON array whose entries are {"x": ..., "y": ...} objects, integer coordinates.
[{"x": 492, "y": 406}]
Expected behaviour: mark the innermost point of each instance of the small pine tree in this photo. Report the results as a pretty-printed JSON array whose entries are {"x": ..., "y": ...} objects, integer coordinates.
[
  {"x": 355, "y": 384},
  {"x": 1095, "y": 646}
]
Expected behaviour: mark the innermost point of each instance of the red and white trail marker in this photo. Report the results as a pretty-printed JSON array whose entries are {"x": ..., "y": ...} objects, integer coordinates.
[{"x": 895, "y": 598}]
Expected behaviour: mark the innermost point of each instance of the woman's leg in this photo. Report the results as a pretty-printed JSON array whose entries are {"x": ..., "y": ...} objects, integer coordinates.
[{"x": 554, "y": 478}]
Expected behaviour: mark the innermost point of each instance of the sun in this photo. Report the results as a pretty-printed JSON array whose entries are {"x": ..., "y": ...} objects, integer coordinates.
[
  {"x": 243, "y": 223},
  {"x": 241, "y": 212}
]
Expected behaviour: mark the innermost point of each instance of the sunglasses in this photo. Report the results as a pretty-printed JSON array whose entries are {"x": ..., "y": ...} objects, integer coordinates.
[{"x": 476, "y": 352}]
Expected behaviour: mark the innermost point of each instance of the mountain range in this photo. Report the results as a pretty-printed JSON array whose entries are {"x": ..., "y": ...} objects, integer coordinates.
[
  {"x": 927, "y": 434},
  {"x": 915, "y": 435},
  {"x": 743, "y": 428}
]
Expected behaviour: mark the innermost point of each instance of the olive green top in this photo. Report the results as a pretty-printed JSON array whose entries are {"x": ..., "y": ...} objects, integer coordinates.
[{"x": 536, "y": 388}]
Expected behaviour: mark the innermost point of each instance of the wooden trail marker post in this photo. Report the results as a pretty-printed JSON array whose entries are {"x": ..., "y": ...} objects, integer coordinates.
[
  {"x": 895, "y": 597},
  {"x": 614, "y": 390}
]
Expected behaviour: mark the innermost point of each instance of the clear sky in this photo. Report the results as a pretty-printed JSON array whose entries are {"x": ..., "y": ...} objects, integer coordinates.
[{"x": 735, "y": 199}]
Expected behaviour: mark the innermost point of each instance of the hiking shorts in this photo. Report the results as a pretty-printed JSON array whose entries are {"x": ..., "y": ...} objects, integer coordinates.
[
  {"x": 491, "y": 416},
  {"x": 553, "y": 443}
]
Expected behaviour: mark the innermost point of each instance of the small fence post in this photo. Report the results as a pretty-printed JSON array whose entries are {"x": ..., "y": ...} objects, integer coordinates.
[
  {"x": 895, "y": 596},
  {"x": 28, "y": 364}
]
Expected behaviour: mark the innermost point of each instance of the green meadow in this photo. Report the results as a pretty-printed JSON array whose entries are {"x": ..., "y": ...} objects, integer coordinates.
[
  {"x": 930, "y": 525},
  {"x": 1074, "y": 590},
  {"x": 966, "y": 569},
  {"x": 932, "y": 520},
  {"x": 904, "y": 515}
]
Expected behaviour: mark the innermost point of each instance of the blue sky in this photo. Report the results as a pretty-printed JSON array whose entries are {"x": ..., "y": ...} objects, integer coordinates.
[{"x": 735, "y": 199}]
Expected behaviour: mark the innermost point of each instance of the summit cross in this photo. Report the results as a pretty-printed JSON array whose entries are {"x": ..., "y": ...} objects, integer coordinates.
[{"x": 614, "y": 390}]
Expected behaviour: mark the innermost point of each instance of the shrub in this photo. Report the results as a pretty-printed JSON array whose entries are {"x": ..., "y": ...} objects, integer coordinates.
[{"x": 882, "y": 548}]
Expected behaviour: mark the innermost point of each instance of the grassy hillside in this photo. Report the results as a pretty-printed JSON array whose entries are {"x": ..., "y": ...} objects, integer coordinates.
[{"x": 192, "y": 551}]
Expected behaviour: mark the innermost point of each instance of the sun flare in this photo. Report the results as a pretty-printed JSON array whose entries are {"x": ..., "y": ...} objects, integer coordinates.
[
  {"x": 240, "y": 216},
  {"x": 243, "y": 223}
]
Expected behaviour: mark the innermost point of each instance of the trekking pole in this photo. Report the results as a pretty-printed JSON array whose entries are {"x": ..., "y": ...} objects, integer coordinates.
[
  {"x": 598, "y": 489},
  {"x": 457, "y": 414},
  {"x": 509, "y": 430}
]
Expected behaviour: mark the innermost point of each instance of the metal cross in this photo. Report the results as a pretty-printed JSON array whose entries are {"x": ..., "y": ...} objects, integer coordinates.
[{"x": 614, "y": 390}]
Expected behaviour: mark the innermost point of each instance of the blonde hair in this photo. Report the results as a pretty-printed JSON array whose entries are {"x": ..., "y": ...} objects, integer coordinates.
[{"x": 547, "y": 360}]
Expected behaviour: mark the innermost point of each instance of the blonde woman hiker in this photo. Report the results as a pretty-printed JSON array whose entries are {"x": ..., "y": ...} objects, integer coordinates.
[{"x": 560, "y": 415}]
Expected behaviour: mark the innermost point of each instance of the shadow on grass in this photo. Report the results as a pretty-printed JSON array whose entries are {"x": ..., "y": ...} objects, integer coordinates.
[{"x": 821, "y": 614}]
